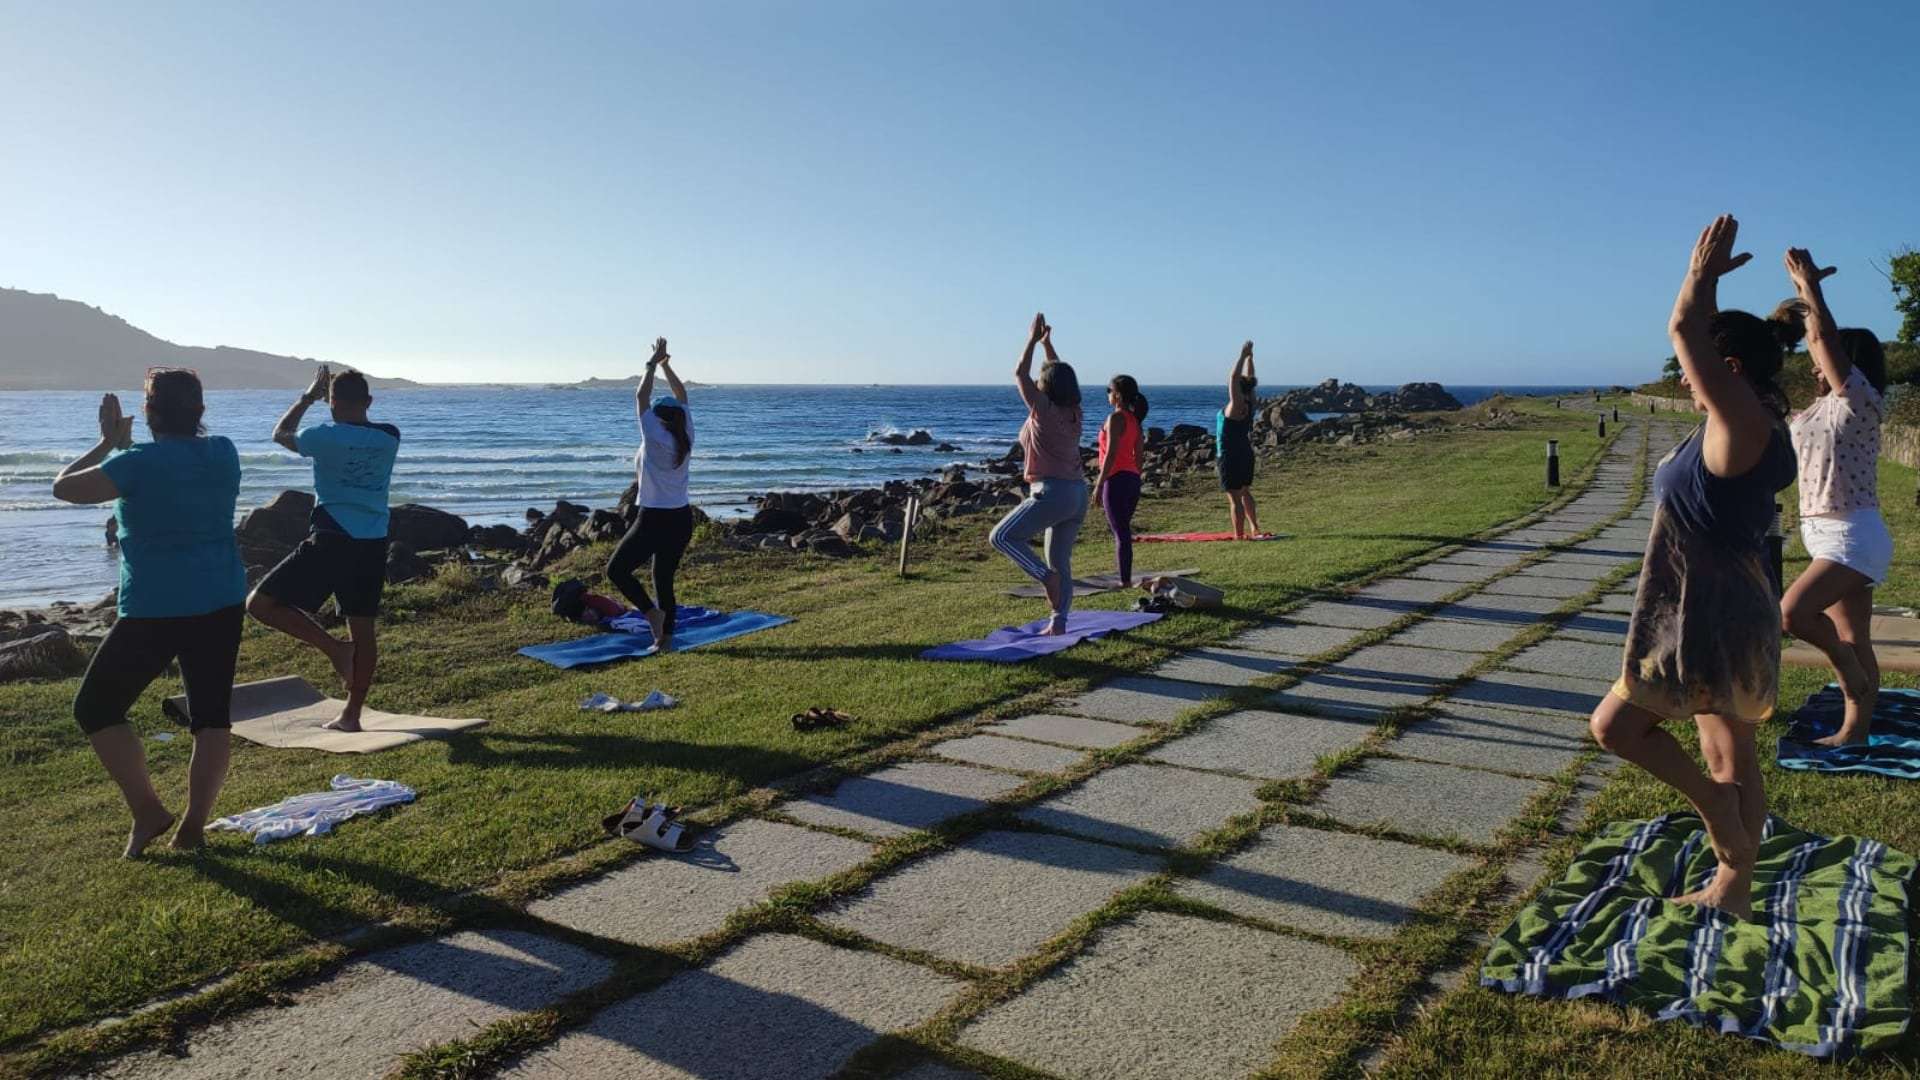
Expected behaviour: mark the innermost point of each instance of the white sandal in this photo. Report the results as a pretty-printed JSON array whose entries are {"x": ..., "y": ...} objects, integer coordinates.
[{"x": 654, "y": 826}]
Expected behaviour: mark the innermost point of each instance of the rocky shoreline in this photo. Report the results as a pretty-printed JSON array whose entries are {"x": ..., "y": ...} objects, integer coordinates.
[{"x": 47, "y": 642}]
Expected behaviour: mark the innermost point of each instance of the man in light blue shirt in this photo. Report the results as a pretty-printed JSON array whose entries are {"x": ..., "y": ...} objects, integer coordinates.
[{"x": 345, "y": 553}]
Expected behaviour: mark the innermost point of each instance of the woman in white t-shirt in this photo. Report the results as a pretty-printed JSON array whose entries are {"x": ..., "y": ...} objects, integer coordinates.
[
  {"x": 664, "y": 527},
  {"x": 1837, "y": 439}
]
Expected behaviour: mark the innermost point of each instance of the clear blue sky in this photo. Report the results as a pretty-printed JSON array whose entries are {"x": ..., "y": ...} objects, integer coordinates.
[{"x": 885, "y": 191}]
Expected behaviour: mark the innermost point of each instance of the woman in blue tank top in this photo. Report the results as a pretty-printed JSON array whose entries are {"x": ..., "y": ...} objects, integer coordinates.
[{"x": 1704, "y": 640}]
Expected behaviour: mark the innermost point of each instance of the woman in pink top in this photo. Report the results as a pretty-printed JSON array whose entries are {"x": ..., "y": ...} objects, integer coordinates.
[
  {"x": 1057, "y": 483},
  {"x": 1838, "y": 441},
  {"x": 1117, "y": 490}
]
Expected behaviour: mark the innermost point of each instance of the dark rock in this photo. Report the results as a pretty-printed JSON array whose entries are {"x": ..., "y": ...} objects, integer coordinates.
[
  {"x": 49, "y": 654},
  {"x": 423, "y": 528},
  {"x": 271, "y": 527},
  {"x": 556, "y": 543},
  {"x": 1187, "y": 433},
  {"x": 1418, "y": 397},
  {"x": 920, "y": 438},
  {"x": 297, "y": 503},
  {"x": 775, "y": 520},
  {"x": 1331, "y": 396},
  {"x": 829, "y": 545},
  {"x": 403, "y": 564},
  {"x": 1280, "y": 415},
  {"x": 850, "y": 526},
  {"x": 946, "y": 448},
  {"x": 535, "y": 517},
  {"x": 497, "y": 538},
  {"x": 520, "y": 577},
  {"x": 606, "y": 525}
]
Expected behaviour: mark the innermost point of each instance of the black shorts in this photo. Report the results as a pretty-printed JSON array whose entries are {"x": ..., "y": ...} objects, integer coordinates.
[
  {"x": 327, "y": 563},
  {"x": 137, "y": 651},
  {"x": 1235, "y": 472}
]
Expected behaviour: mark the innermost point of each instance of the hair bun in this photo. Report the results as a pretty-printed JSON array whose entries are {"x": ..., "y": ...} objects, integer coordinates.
[{"x": 1789, "y": 323}]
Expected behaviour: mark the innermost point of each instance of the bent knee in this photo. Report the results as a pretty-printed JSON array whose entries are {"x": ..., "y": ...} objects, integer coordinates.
[{"x": 258, "y": 603}]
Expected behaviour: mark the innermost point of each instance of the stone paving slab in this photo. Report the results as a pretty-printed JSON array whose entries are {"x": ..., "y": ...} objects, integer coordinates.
[
  {"x": 1146, "y": 805},
  {"x": 1614, "y": 604},
  {"x": 1419, "y": 668},
  {"x": 1222, "y": 667},
  {"x": 1497, "y": 558},
  {"x": 903, "y": 798},
  {"x": 934, "y": 1070},
  {"x": 1142, "y": 699},
  {"x": 1405, "y": 594},
  {"x": 1530, "y": 585},
  {"x": 1325, "y": 882},
  {"x": 1269, "y": 745},
  {"x": 1595, "y": 625},
  {"x": 1070, "y": 730},
  {"x": 1340, "y": 613},
  {"x": 1491, "y": 602},
  {"x": 1012, "y": 754},
  {"x": 1340, "y": 692},
  {"x": 1565, "y": 567},
  {"x": 995, "y": 899},
  {"x": 1538, "y": 744},
  {"x": 778, "y": 1004},
  {"x": 1166, "y": 996},
  {"x": 660, "y": 899},
  {"x": 1456, "y": 635},
  {"x": 1458, "y": 573},
  {"x": 1540, "y": 534},
  {"x": 1569, "y": 656},
  {"x": 1533, "y": 692},
  {"x": 1422, "y": 799},
  {"x": 1475, "y": 609},
  {"x": 1294, "y": 640},
  {"x": 362, "y": 1020}
]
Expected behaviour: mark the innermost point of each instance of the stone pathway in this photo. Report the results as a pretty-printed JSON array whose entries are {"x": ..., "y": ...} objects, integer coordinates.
[{"x": 1155, "y": 993}]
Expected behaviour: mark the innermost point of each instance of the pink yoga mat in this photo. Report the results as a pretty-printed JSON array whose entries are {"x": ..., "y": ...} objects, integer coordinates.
[{"x": 1198, "y": 537}]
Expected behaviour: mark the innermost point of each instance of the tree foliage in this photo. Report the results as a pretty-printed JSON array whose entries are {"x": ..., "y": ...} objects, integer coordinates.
[{"x": 1903, "y": 273}]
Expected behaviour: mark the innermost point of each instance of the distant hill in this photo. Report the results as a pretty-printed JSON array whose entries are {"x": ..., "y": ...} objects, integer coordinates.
[
  {"x": 629, "y": 382},
  {"x": 47, "y": 343}
]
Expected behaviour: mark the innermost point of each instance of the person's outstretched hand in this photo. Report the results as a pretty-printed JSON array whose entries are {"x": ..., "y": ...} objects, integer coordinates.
[
  {"x": 1246, "y": 351},
  {"x": 660, "y": 355},
  {"x": 1805, "y": 272},
  {"x": 1039, "y": 329},
  {"x": 322, "y": 382},
  {"x": 1713, "y": 255},
  {"x": 115, "y": 429}
]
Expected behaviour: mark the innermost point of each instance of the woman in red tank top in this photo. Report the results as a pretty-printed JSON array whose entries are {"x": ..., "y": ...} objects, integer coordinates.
[{"x": 1118, "y": 488}]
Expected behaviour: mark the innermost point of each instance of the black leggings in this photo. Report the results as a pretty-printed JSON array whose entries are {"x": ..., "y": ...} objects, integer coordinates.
[
  {"x": 660, "y": 535},
  {"x": 137, "y": 651}
]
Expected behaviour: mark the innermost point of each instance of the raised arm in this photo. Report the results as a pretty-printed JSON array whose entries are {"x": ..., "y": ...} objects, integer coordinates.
[
  {"x": 1738, "y": 425},
  {"x": 1023, "y": 371},
  {"x": 83, "y": 481},
  {"x": 643, "y": 395},
  {"x": 1823, "y": 335},
  {"x": 287, "y": 431},
  {"x": 1236, "y": 391},
  {"x": 673, "y": 381}
]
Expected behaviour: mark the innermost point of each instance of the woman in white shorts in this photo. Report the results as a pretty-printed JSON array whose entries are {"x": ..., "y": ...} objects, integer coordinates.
[{"x": 1838, "y": 441}]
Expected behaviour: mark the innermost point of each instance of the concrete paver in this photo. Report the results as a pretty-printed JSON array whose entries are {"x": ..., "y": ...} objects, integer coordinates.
[
  {"x": 1299, "y": 640},
  {"x": 1146, "y": 805},
  {"x": 1422, "y": 799},
  {"x": 1508, "y": 740},
  {"x": 1142, "y": 699},
  {"x": 1534, "y": 692},
  {"x": 1222, "y": 667},
  {"x": 1341, "y": 613},
  {"x": 903, "y": 798},
  {"x": 1070, "y": 730},
  {"x": 1013, "y": 754},
  {"x": 1568, "y": 656},
  {"x": 1269, "y": 745}
]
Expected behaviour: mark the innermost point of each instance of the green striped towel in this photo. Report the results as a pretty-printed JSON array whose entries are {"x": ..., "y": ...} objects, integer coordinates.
[{"x": 1821, "y": 969}]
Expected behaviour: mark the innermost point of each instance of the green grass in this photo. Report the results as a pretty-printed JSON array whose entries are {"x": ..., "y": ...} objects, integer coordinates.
[
  {"x": 1479, "y": 1032},
  {"x": 513, "y": 806}
]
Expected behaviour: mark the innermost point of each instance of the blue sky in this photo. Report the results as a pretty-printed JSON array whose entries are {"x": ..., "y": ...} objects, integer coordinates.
[{"x": 885, "y": 192}]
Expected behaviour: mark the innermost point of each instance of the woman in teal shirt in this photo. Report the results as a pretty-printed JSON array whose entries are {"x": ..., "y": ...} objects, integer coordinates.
[{"x": 181, "y": 588}]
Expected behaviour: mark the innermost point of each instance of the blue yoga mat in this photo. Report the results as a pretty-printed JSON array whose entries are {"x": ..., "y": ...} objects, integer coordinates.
[
  {"x": 692, "y": 626},
  {"x": 1892, "y": 749},
  {"x": 1012, "y": 644}
]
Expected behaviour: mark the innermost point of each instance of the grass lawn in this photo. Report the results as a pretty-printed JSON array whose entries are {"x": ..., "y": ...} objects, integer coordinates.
[
  {"x": 84, "y": 934},
  {"x": 1479, "y": 1032}
]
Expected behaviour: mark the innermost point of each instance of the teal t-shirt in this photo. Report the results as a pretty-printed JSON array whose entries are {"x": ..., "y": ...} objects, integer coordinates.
[
  {"x": 352, "y": 468},
  {"x": 175, "y": 516}
]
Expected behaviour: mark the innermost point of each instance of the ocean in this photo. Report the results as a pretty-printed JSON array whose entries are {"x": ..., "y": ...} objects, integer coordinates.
[{"x": 488, "y": 454}]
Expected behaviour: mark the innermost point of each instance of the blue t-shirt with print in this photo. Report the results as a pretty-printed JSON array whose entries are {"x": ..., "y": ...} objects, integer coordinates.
[
  {"x": 352, "y": 468},
  {"x": 175, "y": 517}
]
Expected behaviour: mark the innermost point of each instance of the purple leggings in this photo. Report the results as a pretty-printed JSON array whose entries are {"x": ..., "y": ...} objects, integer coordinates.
[{"x": 1120, "y": 497}]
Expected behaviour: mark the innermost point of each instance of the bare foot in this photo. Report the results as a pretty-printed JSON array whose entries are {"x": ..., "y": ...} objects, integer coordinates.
[
  {"x": 656, "y": 622},
  {"x": 1861, "y": 697},
  {"x": 189, "y": 838},
  {"x": 145, "y": 831},
  {"x": 346, "y": 721},
  {"x": 660, "y": 645},
  {"x": 1844, "y": 737},
  {"x": 1730, "y": 892},
  {"x": 1056, "y": 625}
]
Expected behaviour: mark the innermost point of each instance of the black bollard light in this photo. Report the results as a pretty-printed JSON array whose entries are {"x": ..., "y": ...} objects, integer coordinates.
[
  {"x": 1616, "y": 414},
  {"x": 1603, "y": 427},
  {"x": 1553, "y": 463},
  {"x": 1777, "y": 549}
]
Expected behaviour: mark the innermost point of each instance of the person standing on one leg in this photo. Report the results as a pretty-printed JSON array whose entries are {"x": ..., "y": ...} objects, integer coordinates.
[
  {"x": 1704, "y": 640},
  {"x": 1837, "y": 439},
  {"x": 345, "y": 553},
  {"x": 665, "y": 525},
  {"x": 1117, "y": 490},
  {"x": 181, "y": 587},
  {"x": 1056, "y": 499},
  {"x": 1233, "y": 442}
]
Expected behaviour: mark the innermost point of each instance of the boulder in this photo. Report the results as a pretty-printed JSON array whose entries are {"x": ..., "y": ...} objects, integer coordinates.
[
  {"x": 775, "y": 520},
  {"x": 520, "y": 577},
  {"x": 829, "y": 545},
  {"x": 1331, "y": 396},
  {"x": 404, "y": 564},
  {"x": 48, "y": 654},
  {"x": 605, "y": 525},
  {"x": 1419, "y": 397},
  {"x": 423, "y": 528},
  {"x": 1281, "y": 415},
  {"x": 297, "y": 503},
  {"x": 920, "y": 437},
  {"x": 556, "y": 544},
  {"x": 850, "y": 527},
  {"x": 1187, "y": 433},
  {"x": 271, "y": 527},
  {"x": 497, "y": 538},
  {"x": 946, "y": 448}
]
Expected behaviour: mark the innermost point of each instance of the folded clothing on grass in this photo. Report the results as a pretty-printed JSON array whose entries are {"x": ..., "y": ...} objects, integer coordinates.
[
  {"x": 632, "y": 637},
  {"x": 317, "y": 812},
  {"x": 1893, "y": 742},
  {"x": 1012, "y": 644},
  {"x": 1821, "y": 969}
]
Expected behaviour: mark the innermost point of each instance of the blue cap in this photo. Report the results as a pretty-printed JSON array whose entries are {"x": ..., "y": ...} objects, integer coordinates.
[{"x": 665, "y": 401}]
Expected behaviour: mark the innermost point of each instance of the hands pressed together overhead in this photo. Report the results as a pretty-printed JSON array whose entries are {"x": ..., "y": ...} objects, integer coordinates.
[{"x": 116, "y": 429}]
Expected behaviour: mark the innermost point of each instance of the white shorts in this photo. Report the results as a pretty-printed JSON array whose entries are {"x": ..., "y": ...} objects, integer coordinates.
[{"x": 1857, "y": 540}]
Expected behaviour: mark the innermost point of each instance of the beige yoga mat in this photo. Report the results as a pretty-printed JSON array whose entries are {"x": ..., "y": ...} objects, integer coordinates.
[
  {"x": 1896, "y": 642},
  {"x": 289, "y": 712},
  {"x": 1098, "y": 583}
]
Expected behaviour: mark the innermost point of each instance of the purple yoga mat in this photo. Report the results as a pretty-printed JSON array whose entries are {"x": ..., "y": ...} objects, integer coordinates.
[{"x": 1012, "y": 644}]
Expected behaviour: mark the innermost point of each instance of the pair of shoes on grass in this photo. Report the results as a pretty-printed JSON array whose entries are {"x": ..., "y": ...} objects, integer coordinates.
[{"x": 815, "y": 718}]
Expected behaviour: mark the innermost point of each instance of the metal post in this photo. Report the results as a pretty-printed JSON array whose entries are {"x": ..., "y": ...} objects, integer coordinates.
[
  {"x": 1553, "y": 463},
  {"x": 1777, "y": 549},
  {"x": 1616, "y": 414},
  {"x": 909, "y": 516}
]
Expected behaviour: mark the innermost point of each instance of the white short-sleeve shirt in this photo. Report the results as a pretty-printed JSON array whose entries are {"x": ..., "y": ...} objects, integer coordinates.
[
  {"x": 663, "y": 484},
  {"x": 1838, "y": 441}
]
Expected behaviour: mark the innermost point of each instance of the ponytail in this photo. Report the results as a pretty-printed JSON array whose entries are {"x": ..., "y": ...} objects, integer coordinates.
[
  {"x": 674, "y": 419},
  {"x": 1131, "y": 398},
  {"x": 1757, "y": 344}
]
